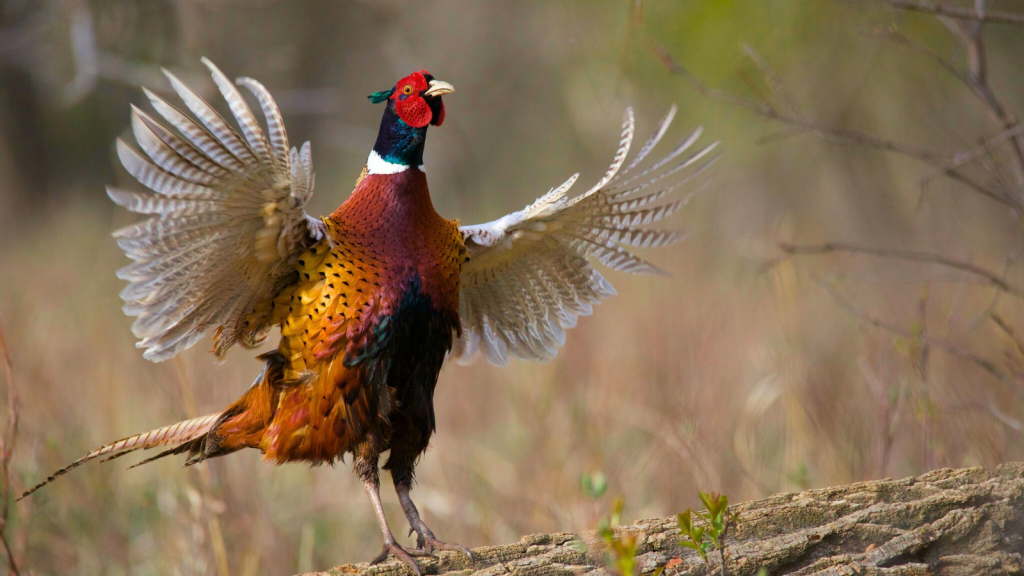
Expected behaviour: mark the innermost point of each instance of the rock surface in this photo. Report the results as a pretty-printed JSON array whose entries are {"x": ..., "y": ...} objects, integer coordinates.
[{"x": 967, "y": 522}]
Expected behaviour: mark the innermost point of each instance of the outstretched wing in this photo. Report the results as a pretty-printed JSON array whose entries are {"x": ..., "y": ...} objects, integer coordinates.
[
  {"x": 229, "y": 218},
  {"x": 529, "y": 275}
]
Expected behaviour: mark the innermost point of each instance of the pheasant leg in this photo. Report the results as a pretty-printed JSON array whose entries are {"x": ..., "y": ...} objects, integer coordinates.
[
  {"x": 425, "y": 539},
  {"x": 371, "y": 483}
]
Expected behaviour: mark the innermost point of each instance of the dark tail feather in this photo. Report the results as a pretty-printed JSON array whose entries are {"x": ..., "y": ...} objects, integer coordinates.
[{"x": 183, "y": 434}]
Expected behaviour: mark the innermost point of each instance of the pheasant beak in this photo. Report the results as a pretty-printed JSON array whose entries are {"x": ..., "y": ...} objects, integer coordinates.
[{"x": 439, "y": 88}]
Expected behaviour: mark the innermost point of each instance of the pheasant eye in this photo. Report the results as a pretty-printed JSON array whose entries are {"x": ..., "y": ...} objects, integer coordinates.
[{"x": 407, "y": 89}]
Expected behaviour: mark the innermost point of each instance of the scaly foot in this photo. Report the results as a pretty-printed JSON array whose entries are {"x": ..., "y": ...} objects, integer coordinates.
[
  {"x": 427, "y": 542},
  {"x": 393, "y": 549}
]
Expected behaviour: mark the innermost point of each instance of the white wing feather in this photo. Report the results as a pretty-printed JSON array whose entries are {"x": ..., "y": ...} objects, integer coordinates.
[
  {"x": 229, "y": 218},
  {"x": 529, "y": 277}
]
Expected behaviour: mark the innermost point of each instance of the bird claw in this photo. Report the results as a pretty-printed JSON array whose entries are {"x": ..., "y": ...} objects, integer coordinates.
[
  {"x": 405, "y": 556},
  {"x": 431, "y": 545}
]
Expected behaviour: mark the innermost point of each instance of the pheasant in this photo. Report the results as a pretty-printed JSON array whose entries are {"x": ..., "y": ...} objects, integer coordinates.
[{"x": 371, "y": 300}]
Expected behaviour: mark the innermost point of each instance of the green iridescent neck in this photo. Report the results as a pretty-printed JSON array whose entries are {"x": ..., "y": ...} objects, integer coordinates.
[{"x": 397, "y": 142}]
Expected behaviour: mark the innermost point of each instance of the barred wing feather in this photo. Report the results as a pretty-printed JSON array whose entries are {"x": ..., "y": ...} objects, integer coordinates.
[
  {"x": 529, "y": 276},
  {"x": 228, "y": 218}
]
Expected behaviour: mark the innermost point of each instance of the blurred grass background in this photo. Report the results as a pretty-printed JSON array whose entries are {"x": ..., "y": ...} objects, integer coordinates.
[{"x": 729, "y": 376}]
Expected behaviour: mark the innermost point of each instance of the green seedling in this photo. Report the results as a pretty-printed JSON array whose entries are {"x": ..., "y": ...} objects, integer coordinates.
[
  {"x": 711, "y": 535},
  {"x": 696, "y": 537},
  {"x": 620, "y": 550}
]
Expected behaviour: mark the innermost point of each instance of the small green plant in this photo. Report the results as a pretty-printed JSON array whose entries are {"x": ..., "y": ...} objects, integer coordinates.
[
  {"x": 717, "y": 520},
  {"x": 620, "y": 550},
  {"x": 696, "y": 537}
]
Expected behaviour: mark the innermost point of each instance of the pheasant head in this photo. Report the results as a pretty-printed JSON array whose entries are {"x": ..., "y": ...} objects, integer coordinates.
[{"x": 413, "y": 104}]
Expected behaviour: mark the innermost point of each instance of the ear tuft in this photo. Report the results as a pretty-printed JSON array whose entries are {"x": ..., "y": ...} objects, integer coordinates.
[
  {"x": 378, "y": 97},
  {"x": 438, "y": 117}
]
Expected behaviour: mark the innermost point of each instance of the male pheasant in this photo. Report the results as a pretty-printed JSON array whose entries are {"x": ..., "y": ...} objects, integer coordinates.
[{"x": 371, "y": 300}]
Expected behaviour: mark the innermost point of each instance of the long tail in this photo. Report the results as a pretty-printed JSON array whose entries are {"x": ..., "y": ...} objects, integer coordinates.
[
  {"x": 181, "y": 435},
  {"x": 241, "y": 425}
]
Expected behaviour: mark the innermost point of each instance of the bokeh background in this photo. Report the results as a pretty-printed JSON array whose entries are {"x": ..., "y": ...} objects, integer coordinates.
[{"x": 741, "y": 373}]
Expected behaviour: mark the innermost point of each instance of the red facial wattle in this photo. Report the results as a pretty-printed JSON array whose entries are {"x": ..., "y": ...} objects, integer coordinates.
[
  {"x": 414, "y": 110},
  {"x": 410, "y": 105}
]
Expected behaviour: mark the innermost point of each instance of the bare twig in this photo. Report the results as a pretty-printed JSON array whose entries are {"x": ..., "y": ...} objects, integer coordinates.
[
  {"x": 985, "y": 149},
  {"x": 969, "y": 34},
  {"x": 1009, "y": 332},
  {"x": 6, "y": 451},
  {"x": 678, "y": 69},
  {"x": 976, "y": 81},
  {"x": 966, "y": 26},
  {"x": 901, "y": 39},
  {"x": 835, "y": 135},
  {"x": 940, "y": 343},
  {"x": 772, "y": 79},
  {"x": 1010, "y": 260},
  {"x": 954, "y": 12},
  {"x": 721, "y": 547},
  {"x": 924, "y": 257},
  {"x": 1012, "y": 203},
  {"x": 838, "y": 135},
  {"x": 988, "y": 146}
]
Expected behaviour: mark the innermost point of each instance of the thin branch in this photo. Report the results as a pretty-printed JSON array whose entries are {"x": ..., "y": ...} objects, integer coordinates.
[
  {"x": 833, "y": 134},
  {"x": 1009, "y": 331},
  {"x": 6, "y": 451},
  {"x": 941, "y": 343},
  {"x": 969, "y": 33},
  {"x": 721, "y": 547},
  {"x": 1012, "y": 203},
  {"x": 904, "y": 41},
  {"x": 784, "y": 134},
  {"x": 724, "y": 96},
  {"x": 986, "y": 148},
  {"x": 838, "y": 135},
  {"x": 954, "y": 12},
  {"x": 976, "y": 81},
  {"x": 924, "y": 257},
  {"x": 1010, "y": 260},
  {"x": 772, "y": 79}
]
